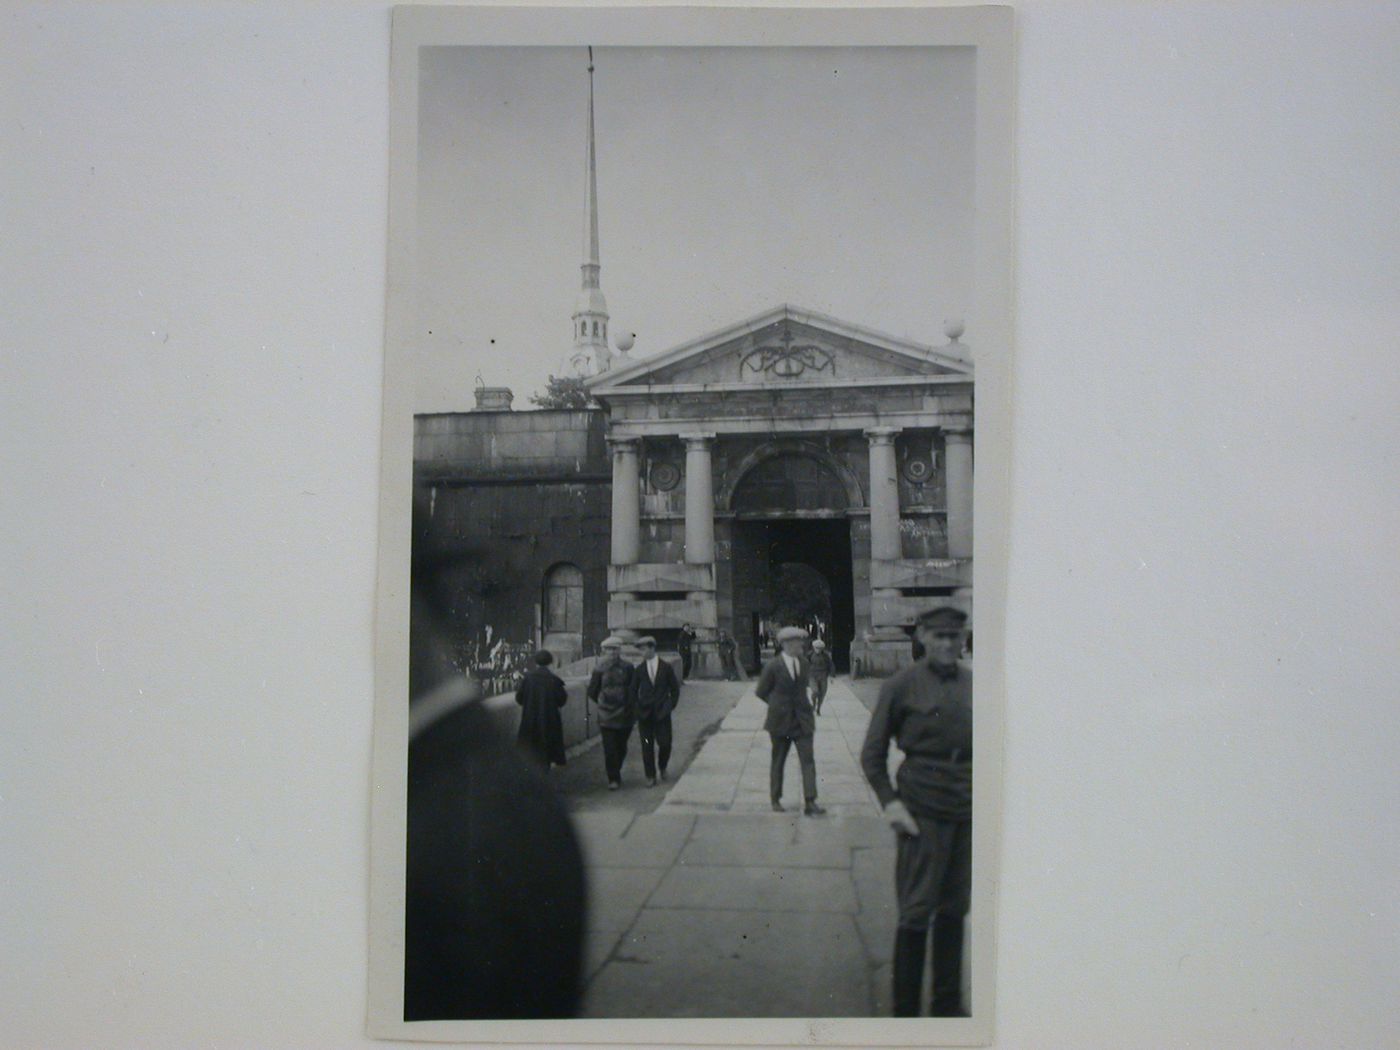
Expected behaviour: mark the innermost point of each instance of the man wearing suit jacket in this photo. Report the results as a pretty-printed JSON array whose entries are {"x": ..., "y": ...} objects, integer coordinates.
[
  {"x": 783, "y": 686},
  {"x": 655, "y": 693}
]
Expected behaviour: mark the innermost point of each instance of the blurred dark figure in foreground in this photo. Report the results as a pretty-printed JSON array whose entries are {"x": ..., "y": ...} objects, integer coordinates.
[
  {"x": 495, "y": 910},
  {"x": 540, "y": 697}
]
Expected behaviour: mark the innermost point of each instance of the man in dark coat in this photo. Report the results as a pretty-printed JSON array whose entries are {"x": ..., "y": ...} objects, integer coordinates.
[
  {"x": 727, "y": 659},
  {"x": 783, "y": 686},
  {"x": 610, "y": 688},
  {"x": 540, "y": 696},
  {"x": 927, "y": 710},
  {"x": 685, "y": 645},
  {"x": 655, "y": 693},
  {"x": 819, "y": 666}
]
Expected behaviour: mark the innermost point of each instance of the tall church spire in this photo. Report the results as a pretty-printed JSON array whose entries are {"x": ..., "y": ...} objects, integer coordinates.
[{"x": 590, "y": 354}]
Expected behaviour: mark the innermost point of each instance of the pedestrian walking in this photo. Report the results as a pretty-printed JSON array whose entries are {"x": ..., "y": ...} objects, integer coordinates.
[
  {"x": 655, "y": 693},
  {"x": 540, "y": 696},
  {"x": 820, "y": 667},
  {"x": 727, "y": 658},
  {"x": 685, "y": 646},
  {"x": 610, "y": 688},
  {"x": 926, "y": 709},
  {"x": 783, "y": 687}
]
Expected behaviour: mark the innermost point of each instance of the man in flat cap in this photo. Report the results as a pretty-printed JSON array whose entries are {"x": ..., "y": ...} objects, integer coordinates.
[
  {"x": 610, "y": 688},
  {"x": 927, "y": 710},
  {"x": 783, "y": 687},
  {"x": 655, "y": 692}
]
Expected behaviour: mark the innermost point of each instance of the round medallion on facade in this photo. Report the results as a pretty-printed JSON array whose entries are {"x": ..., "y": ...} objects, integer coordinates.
[
  {"x": 918, "y": 469},
  {"x": 665, "y": 477}
]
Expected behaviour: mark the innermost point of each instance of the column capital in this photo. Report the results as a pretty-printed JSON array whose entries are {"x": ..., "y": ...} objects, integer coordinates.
[
  {"x": 697, "y": 439},
  {"x": 623, "y": 444},
  {"x": 958, "y": 434},
  {"x": 882, "y": 435}
]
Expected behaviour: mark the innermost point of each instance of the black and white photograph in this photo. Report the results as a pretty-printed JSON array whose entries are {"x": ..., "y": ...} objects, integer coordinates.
[
  {"x": 686, "y": 525},
  {"x": 695, "y": 424}
]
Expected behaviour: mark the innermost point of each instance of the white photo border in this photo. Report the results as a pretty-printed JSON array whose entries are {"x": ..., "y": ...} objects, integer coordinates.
[{"x": 990, "y": 31}]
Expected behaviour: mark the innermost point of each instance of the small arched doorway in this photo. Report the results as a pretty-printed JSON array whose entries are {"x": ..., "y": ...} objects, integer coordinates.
[{"x": 792, "y": 554}]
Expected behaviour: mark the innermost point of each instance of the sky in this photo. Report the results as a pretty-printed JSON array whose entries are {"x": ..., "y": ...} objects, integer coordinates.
[{"x": 730, "y": 180}]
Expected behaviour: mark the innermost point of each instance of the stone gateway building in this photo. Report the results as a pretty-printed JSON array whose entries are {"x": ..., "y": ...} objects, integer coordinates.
[{"x": 789, "y": 467}]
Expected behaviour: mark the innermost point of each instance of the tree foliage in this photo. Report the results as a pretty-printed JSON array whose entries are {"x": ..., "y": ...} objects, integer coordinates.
[{"x": 562, "y": 392}]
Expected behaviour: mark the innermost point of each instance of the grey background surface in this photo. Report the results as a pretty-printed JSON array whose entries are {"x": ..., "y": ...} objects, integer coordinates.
[{"x": 1200, "y": 832}]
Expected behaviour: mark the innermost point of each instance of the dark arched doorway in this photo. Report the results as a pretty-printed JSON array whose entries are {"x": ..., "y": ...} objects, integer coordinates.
[{"x": 792, "y": 554}]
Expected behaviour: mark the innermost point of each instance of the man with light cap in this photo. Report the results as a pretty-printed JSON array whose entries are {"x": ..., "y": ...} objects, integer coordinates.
[
  {"x": 655, "y": 692},
  {"x": 610, "y": 688},
  {"x": 783, "y": 687},
  {"x": 927, "y": 710}
]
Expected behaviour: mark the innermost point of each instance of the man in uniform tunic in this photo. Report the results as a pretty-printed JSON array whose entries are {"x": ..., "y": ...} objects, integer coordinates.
[
  {"x": 927, "y": 710},
  {"x": 610, "y": 687},
  {"x": 783, "y": 687}
]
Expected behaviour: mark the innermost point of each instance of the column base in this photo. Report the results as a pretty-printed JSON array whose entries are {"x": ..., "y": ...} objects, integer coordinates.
[
  {"x": 705, "y": 663},
  {"x": 881, "y": 653}
]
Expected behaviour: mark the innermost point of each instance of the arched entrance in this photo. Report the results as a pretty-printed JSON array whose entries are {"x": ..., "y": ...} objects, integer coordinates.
[
  {"x": 792, "y": 553},
  {"x": 561, "y": 610}
]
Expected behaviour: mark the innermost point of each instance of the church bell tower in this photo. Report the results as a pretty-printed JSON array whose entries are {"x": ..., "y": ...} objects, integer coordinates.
[{"x": 590, "y": 354}]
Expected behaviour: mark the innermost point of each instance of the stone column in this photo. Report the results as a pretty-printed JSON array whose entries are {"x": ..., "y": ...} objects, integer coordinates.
[
  {"x": 884, "y": 649},
  {"x": 884, "y": 495},
  {"x": 958, "y": 450},
  {"x": 699, "y": 500},
  {"x": 626, "y": 503},
  {"x": 700, "y": 549}
]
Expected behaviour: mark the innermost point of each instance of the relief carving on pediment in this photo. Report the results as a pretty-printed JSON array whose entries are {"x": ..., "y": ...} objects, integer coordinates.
[{"x": 784, "y": 360}]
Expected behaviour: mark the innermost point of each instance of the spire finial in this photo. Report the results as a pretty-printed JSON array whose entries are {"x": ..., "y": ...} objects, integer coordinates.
[
  {"x": 592, "y": 202},
  {"x": 590, "y": 353}
]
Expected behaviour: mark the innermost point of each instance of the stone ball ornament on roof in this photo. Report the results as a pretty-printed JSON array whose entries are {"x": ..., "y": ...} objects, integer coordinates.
[
  {"x": 626, "y": 341},
  {"x": 954, "y": 328}
]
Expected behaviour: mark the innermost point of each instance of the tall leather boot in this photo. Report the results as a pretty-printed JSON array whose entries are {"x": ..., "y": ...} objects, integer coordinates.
[
  {"x": 909, "y": 947},
  {"x": 947, "y": 966}
]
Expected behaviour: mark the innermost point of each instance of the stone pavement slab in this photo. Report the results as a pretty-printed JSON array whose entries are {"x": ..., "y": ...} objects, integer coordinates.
[
  {"x": 768, "y": 827},
  {"x": 683, "y": 963},
  {"x": 759, "y": 889},
  {"x": 616, "y": 895},
  {"x": 646, "y": 841},
  {"x": 747, "y": 851},
  {"x": 872, "y": 873}
]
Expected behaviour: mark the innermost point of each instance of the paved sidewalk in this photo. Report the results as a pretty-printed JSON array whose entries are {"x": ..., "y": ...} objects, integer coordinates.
[{"x": 715, "y": 906}]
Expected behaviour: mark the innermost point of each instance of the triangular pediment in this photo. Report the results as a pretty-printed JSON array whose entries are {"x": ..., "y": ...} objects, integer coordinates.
[{"x": 786, "y": 346}]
